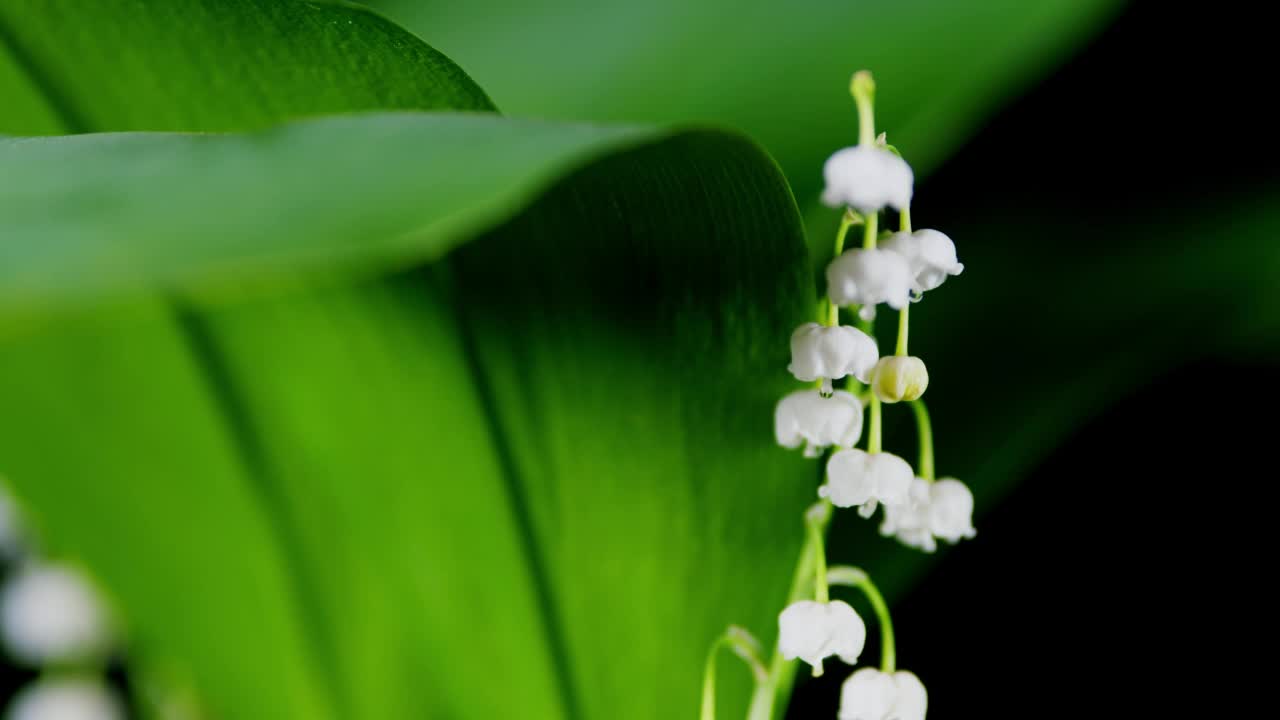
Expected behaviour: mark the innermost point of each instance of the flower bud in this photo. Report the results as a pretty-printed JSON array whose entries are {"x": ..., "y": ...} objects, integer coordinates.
[
  {"x": 899, "y": 377},
  {"x": 863, "y": 84}
]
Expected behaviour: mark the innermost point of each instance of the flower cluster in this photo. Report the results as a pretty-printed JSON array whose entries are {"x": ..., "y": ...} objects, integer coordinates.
[
  {"x": 51, "y": 618},
  {"x": 895, "y": 269}
]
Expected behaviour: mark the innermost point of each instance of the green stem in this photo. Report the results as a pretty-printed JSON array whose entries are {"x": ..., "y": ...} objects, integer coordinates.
[
  {"x": 924, "y": 432},
  {"x": 870, "y": 221},
  {"x": 782, "y": 672},
  {"x": 856, "y": 577},
  {"x": 816, "y": 519},
  {"x": 904, "y": 225},
  {"x": 846, "y": 221},
  {"x": 817, "y": 524},
  {"x": 863, "y": 89},
  {"x": 873, "y": 434},
  {"x": 866, "y": 326},
  {"x": 709, "y": 682},
  {"x": 904, "y": 322},
  {"x": 747, "y": 648}
]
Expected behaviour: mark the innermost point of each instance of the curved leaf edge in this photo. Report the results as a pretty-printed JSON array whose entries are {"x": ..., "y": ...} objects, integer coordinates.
[{"x": 66, "y": 283}]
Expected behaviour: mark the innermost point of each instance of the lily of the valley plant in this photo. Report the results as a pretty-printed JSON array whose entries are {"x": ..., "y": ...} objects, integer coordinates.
[{"x": 895, "y": 269}]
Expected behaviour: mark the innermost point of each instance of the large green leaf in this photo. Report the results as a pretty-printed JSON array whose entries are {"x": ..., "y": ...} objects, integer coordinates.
[
  {"x": 541, "y": 464},
  {"x": 113, "y": 443},
  {"x": 776, "y": 70},
  {"x": 192, "y": 65}
]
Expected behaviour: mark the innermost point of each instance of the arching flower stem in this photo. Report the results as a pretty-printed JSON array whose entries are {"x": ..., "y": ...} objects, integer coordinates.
[
  {"x": 924, "y": 435},
  {"x": 815, "y": 520},
  {"x": 782, "y": 672},
  {"x": 849, "y": 219},
  {"x": 849, "y": 576},
  {"x": 745, "y": 646}
]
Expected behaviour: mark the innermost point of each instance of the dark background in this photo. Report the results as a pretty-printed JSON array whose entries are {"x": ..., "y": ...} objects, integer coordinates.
[{"x": 1124, "y": 577}]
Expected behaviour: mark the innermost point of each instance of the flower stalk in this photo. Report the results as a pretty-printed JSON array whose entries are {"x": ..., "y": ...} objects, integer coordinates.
[
  {"x": 924, "y": 435},
  {"x": 848, "y": 576},
  {"x": 862, "y": 180}
]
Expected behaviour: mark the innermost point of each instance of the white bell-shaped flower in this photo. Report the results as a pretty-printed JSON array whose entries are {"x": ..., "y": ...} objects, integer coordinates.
[
  {"x": 867, "y": 178},
  {"x": 65, "y": 699},
  {"x": 930, "y": 254},
  {"x": 869, "y": 694},
  {"x": 942, "y": 509},
  {"x": 51, "y": 614},
  {"x": 951, "y": 510},
  {"x": 812, "y": 631},
  {"x": 908, "y": 522},
  {"x": 805, "y": 417},
  {"x": 861, "y": 479},
  {"x": 868, "y": 277},
  {"x": 831, "y": 352}
]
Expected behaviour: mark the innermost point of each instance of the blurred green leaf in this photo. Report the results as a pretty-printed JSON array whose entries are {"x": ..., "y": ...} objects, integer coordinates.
[
  {"x": 105, "y": 214},
  {"x": 552, "y": 446},
  {"x": 110, "y": 437},
  {"x": 776, "y": 70},
  {"x": 68, "y": 66}
]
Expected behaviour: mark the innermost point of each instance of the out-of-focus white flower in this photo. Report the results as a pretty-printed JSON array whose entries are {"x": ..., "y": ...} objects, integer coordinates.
[
  {"x": 65, "y": 699},
  {"x": 869, "y": 694},
  {"x": 899, "y": 377},
  {"x": 930, "y": 254},
  {"x": 867, "y": 178},
  {"x": 805, "y": 417},
  {"x": 909, "y": 521},
  {"x": 812, "y": 631},
  {"x": 951, "y": 510},
  {"x": 831, "y": 352},
  {"x": 868, "y": 277},
  {"x": 942, "y": 509},
  {"x": 858, "y": 478},
  {"x": 51, "y": 614}
]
